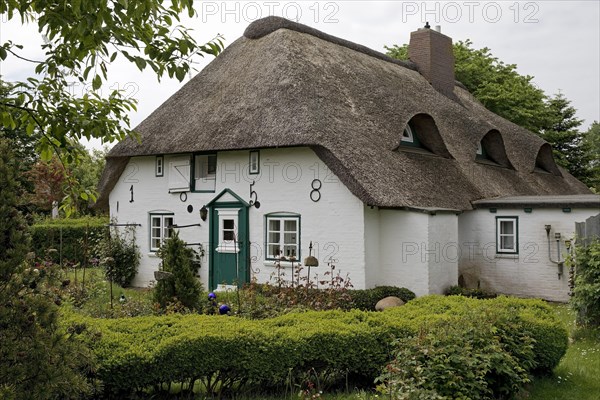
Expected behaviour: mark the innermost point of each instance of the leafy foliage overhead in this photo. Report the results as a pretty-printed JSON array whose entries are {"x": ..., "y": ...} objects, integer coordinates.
[
  {"x": 498, "y": 86},
  {"x": 82, "y": 39}
]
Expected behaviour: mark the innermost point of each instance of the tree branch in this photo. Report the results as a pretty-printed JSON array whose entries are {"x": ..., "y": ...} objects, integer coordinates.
[{"x": 24, "y": 58}]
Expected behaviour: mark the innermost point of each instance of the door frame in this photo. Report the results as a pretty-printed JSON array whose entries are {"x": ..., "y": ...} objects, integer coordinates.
[{"x": 228, "y": 199}]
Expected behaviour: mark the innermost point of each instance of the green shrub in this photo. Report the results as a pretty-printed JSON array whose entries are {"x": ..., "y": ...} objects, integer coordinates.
[
  {"x": 367, "y": 299},
  {"x": 182, "y": 289},
  {"x": 475, "y": 293},
  {"x": 68, "y": 237},
  {"x": 507, "y": 339},
  {"x": 462, "y": 358},
  {"x": 120, "y": 256},
  {"x": 531, "y": 316},
  {"x": 586, "y": 296}
]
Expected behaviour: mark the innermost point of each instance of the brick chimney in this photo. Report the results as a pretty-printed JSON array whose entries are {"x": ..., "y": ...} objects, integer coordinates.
[{"x": 431, "y": 51}]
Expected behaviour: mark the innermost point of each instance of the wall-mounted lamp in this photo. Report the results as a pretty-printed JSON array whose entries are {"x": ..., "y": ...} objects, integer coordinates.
[
  {"x": 548, "y": 227},
  {"x": 568, "y": 243},
  {"x": 203, "y": 213},
  {"x": 557, "y": 236}
]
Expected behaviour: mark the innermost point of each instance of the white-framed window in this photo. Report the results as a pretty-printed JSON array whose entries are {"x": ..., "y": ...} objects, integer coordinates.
[
  {"x": 507, "y": 235},
  {"x": 283, "y": 236},
  {"x": 228, "y": 230},
  {"x": 408, "y": 135},
  {"x": 159, "y": 166},
  {"x": 254, "y": 163},
  {"x": 160, "y": 229},
  {"x": 205, "y": 172}
]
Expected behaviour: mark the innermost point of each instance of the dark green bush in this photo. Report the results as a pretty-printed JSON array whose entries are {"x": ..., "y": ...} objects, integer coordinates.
[
  {"x": 475, "y": 293},
  {"x": 586, "y": 296},
  {"x": 67, "y": 237},
  {"x": 182, "y": 288},
  {"x": 367, "y": 299},
  {"x": 508, "y": 338}
]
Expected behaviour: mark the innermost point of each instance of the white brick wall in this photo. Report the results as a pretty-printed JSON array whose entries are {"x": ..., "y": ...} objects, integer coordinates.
[
  {"x": 415, "y": 250},
  {"x": 334, "y": 224},
  {"x": 529, "y": 273}
]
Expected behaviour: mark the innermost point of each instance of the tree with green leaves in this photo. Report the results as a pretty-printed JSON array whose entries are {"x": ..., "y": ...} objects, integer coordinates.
[
  {"x": 567, "y": 141},
  {"x": 37, "y": 359},
  {"x": 82, "y": 39},
  {"x": 591, "y": 145},
  {"x": 498, "y": 86}
]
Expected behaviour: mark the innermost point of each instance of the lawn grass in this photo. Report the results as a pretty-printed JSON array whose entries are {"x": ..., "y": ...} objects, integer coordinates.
[
  {"x": 93, "y": 298},
  {"x": 578, "y": 374}
]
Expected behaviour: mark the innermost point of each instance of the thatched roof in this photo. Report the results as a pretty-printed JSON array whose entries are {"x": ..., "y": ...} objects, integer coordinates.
[{"x": 284, "y": 84}]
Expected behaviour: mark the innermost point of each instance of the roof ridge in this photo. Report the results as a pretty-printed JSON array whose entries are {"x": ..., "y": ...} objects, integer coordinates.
[{"x": 264, "y": 26}]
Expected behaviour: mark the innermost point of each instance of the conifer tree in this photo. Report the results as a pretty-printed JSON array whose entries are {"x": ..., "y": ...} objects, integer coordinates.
[{"x": 181, "y": 286}]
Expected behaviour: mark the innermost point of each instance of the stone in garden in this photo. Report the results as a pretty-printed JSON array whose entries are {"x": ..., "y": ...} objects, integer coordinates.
[{"x": 388, "y": 302}]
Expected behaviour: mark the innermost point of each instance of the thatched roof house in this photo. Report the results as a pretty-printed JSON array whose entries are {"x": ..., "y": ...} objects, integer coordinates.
[
  {"x": 284, "y": 84},
  {"x": 392, "y": 169}
]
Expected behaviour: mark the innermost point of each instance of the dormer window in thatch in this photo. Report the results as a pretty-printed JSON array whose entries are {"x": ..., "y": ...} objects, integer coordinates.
[
  {"x": 409, "y": 137},
  {"x": 421, "y": 135},
  {"x": 544, "y": 161},
  {"x": 490, "y": 150},
  {"x": 204, "y": 178}
]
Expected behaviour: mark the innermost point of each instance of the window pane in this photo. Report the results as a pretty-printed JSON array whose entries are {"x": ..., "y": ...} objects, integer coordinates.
[
  {"x": 168, "y": 231},
  {"x": 507, "y": 242},
  {"x": 228, "y": 235},
  {"x": 290, "y": 225},
  {"x": 273, "y": 250},
  {"x": 274, "y": 225},
  {"x": 506, "y": 227},
  {"x": 155, "y": 221},
  {"x": 290, "y": 238},
  {"x": 227, "y": 224},
  {"x": 155, "y": 243},
  {"x": 289, "y": 251},
  {"x": 211, "y": 165},
  {"x": 274, "y": 237}
]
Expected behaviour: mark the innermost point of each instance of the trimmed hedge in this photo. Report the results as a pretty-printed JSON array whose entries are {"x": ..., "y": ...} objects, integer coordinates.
[
  {"x": 366, "y": 299},
  {"x": 137, "y": 353},
  {"x": 46, "y": 235},
  {"x": 476, "y": 293}
]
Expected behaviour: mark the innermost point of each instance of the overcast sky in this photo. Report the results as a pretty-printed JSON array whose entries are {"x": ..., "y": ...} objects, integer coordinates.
[{"x": 557, "y": 42}]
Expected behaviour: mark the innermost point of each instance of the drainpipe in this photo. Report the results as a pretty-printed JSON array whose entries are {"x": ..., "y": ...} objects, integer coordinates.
[{"x": 558, "y": 261}]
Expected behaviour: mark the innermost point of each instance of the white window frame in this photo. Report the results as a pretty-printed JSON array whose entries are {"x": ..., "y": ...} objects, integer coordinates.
[
  {"x": 159, "y": 166},
  {"x": 410, "y": 137},
  {"x": 281, "y": 243},
  {"x": 228, "y": 246},
  {"x": 204, "y": 179},
  {"x": 165, "y": 231},
  {"x": 500, "y": 234},
  {"x": 254, "y": 162}
]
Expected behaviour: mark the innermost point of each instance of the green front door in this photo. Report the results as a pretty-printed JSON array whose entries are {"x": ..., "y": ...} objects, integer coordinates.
[{"x": 228, "y": 224}]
